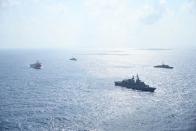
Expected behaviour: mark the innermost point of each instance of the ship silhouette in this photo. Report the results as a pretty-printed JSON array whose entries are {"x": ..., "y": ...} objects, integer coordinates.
[
  {"x": 36, "y": 65},
  {"x": 135, "y": 84}
]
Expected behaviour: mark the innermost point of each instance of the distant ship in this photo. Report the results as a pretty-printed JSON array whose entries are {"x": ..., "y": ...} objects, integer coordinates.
[
  {"x": 73, "y": 59},
  {"x": 163, "y": 66},
  {"x": 36, "y": 65},
  {"x": 134, "y": 84}
]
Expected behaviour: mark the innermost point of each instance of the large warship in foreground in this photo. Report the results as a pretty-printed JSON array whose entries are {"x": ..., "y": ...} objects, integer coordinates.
[
  {"x": 36, "y": 65},
  {"x": 134, "y": 84},
  {"x": 163, "y": 66}
]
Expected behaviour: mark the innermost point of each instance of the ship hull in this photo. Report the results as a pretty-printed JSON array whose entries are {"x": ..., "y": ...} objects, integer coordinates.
[
  {"x": 35, "y": 66},
  {"x": 147, "y": 89},
  {"x": 163, "y": 67},
  {"x": 73, "y": 59}
]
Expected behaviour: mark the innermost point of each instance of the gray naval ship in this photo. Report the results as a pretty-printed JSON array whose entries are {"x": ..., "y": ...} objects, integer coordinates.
[
  {"x": 134, "y": 84},
  {"x": 163, "y": 66},
  {"x": 73, "y": 59},
  {"x": 36, "y": 65}
]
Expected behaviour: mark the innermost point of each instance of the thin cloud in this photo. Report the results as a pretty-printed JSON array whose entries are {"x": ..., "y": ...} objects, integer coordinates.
[
  {"x": 190, "y": 6},
  {"x": 9, "y": 3},
  {"x": 94, "y": 23},
  {"x": 151, "y": 14}
]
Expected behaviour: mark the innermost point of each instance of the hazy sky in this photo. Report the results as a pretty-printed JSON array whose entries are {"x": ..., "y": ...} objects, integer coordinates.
[{"x": 97, "y": 23}]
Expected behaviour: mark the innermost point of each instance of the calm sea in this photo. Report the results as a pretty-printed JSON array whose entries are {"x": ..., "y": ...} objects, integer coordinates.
[{"x": 81, "y": 96}]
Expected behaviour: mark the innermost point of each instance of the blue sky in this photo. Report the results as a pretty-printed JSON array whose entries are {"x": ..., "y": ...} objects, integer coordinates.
[{"x": 97, "y": 23}]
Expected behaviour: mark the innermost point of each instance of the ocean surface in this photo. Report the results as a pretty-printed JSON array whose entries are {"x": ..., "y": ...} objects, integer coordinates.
[{"x": 80, "y": 95}]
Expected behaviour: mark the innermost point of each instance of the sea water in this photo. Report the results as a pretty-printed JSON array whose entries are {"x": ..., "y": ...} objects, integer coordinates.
[{"x": 81, "y": 96}]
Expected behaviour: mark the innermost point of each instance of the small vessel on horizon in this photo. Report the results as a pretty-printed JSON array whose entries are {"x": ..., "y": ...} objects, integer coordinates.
[
  {"x": 36, "y": 65},
  {"x": 73, "y": 59},
  {"x": 163, "y": 66},
  {"x": 135, "y": 84}
]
